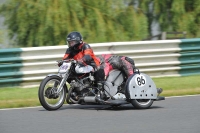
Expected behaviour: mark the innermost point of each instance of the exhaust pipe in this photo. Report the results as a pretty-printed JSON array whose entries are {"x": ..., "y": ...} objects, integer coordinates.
[{"x": 89, "y": 99}]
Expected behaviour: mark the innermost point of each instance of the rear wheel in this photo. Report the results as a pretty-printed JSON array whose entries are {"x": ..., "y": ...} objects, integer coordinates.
[
  {"x": 48, "y": 97},
  {"x": 142, "y": 103}
]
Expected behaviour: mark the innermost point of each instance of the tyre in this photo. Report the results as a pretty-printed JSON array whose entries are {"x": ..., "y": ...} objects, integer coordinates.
[
  {"x": 47, "y": 96},
  {"x": 142, "y": 103}
]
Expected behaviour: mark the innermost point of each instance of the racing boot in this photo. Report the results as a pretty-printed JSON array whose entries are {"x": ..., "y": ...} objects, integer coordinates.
[
  {"x": 102, "y": 92},
  {"x": 159, "y": 90}
]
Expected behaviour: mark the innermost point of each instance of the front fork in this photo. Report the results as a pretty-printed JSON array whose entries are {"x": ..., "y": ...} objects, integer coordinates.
[{"x": 63, "y": 81}]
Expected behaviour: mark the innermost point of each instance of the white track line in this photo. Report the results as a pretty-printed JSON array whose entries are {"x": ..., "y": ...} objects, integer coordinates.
[
  {"x": 78, "y": 104},
  {"x": 183, "y": 96},
  {"x": 21, "y": 108}
]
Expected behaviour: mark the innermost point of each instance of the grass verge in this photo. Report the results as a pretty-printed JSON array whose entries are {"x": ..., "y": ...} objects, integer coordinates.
[
  {"x": 18, "y": 97},
  {"x": 172, "y": 86},
  {"x": 176, "y": 86}
]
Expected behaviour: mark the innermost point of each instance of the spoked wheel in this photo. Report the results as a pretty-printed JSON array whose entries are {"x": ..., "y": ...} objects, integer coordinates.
[
  {"x": 142, "y": 103},
  {"x": 48, "y": 97}
]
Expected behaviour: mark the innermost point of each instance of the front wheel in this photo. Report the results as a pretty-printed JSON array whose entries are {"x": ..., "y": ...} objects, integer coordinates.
[
  {"x": 48, "y": 97},
  {"x": 142, "y": 103}
]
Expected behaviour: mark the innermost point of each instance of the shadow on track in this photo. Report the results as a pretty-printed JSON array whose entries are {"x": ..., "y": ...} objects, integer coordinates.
[{"x": 102, "y": 107}]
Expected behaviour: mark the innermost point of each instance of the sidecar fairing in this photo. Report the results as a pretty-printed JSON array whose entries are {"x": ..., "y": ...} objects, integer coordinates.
[{"x": 141, "y": 86}]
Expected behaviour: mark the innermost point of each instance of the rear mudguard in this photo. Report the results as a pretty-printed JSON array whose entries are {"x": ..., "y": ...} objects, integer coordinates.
[
  {"x": 140, "y": 86},
  {"x": 65, "y": 86}
]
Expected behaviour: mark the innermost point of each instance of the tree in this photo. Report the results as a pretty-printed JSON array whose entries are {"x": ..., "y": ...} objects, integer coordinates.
[
  {"x": 47, "y": 22},
  {"x": 175, "y": 15}
]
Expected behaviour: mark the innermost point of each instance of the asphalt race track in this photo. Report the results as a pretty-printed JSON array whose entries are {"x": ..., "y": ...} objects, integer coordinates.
[{"x": 174, "y": 115}]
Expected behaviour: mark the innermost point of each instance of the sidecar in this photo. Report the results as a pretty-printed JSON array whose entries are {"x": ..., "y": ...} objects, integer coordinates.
[{"x": 139, "y": 90}]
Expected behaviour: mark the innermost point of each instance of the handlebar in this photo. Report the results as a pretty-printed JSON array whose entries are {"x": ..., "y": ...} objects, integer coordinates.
[{"x": 69, "y": 60}]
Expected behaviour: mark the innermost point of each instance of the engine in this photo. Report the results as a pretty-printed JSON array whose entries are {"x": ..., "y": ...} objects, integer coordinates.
[{"x": 85, "y": 82}]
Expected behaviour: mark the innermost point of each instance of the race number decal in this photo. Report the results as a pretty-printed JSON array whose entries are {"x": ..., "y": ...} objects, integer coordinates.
[
  {"x": 64, "y": 67},
  {"x": 140, "y": 80}
]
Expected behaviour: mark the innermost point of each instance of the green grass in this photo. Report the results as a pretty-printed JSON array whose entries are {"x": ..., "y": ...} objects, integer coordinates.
[
  {"x": 18, "y": 97},
  {"x": 172, "y": 86}
]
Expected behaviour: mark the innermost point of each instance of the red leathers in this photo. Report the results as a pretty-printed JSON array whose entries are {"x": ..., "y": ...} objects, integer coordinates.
[
  {"x": 83, "y": 53},
  {"x": 123, "y": 63}
]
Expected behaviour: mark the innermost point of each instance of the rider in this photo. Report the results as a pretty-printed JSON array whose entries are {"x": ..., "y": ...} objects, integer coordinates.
[
  {"x": 110, "y": 62},
  {"x": 83, "y": 54}
]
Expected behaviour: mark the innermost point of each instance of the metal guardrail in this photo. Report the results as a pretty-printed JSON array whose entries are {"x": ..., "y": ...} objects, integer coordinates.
[{"x": 28, "y": 66}]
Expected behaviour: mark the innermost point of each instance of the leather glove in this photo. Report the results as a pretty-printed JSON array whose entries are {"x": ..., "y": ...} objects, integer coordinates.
[{"x": 60, "y": 62}]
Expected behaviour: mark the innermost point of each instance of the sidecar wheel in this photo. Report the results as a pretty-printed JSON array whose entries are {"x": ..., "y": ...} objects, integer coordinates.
[
  {"x": 47, "y": 96},
  {"x": 142, "y": 103}
]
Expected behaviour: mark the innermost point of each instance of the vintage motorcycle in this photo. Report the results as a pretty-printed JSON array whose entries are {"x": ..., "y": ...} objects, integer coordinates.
[{"x": 139, "y": 89}]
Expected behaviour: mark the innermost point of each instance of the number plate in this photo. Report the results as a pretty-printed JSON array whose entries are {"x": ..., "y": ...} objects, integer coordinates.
[{"x": 64, "y": 67}]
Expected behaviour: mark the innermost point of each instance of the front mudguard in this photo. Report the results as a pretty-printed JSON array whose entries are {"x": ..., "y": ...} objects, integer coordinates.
[
  {"x": 140, "y": 86},
  {"x": 59, "y": 77}
]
